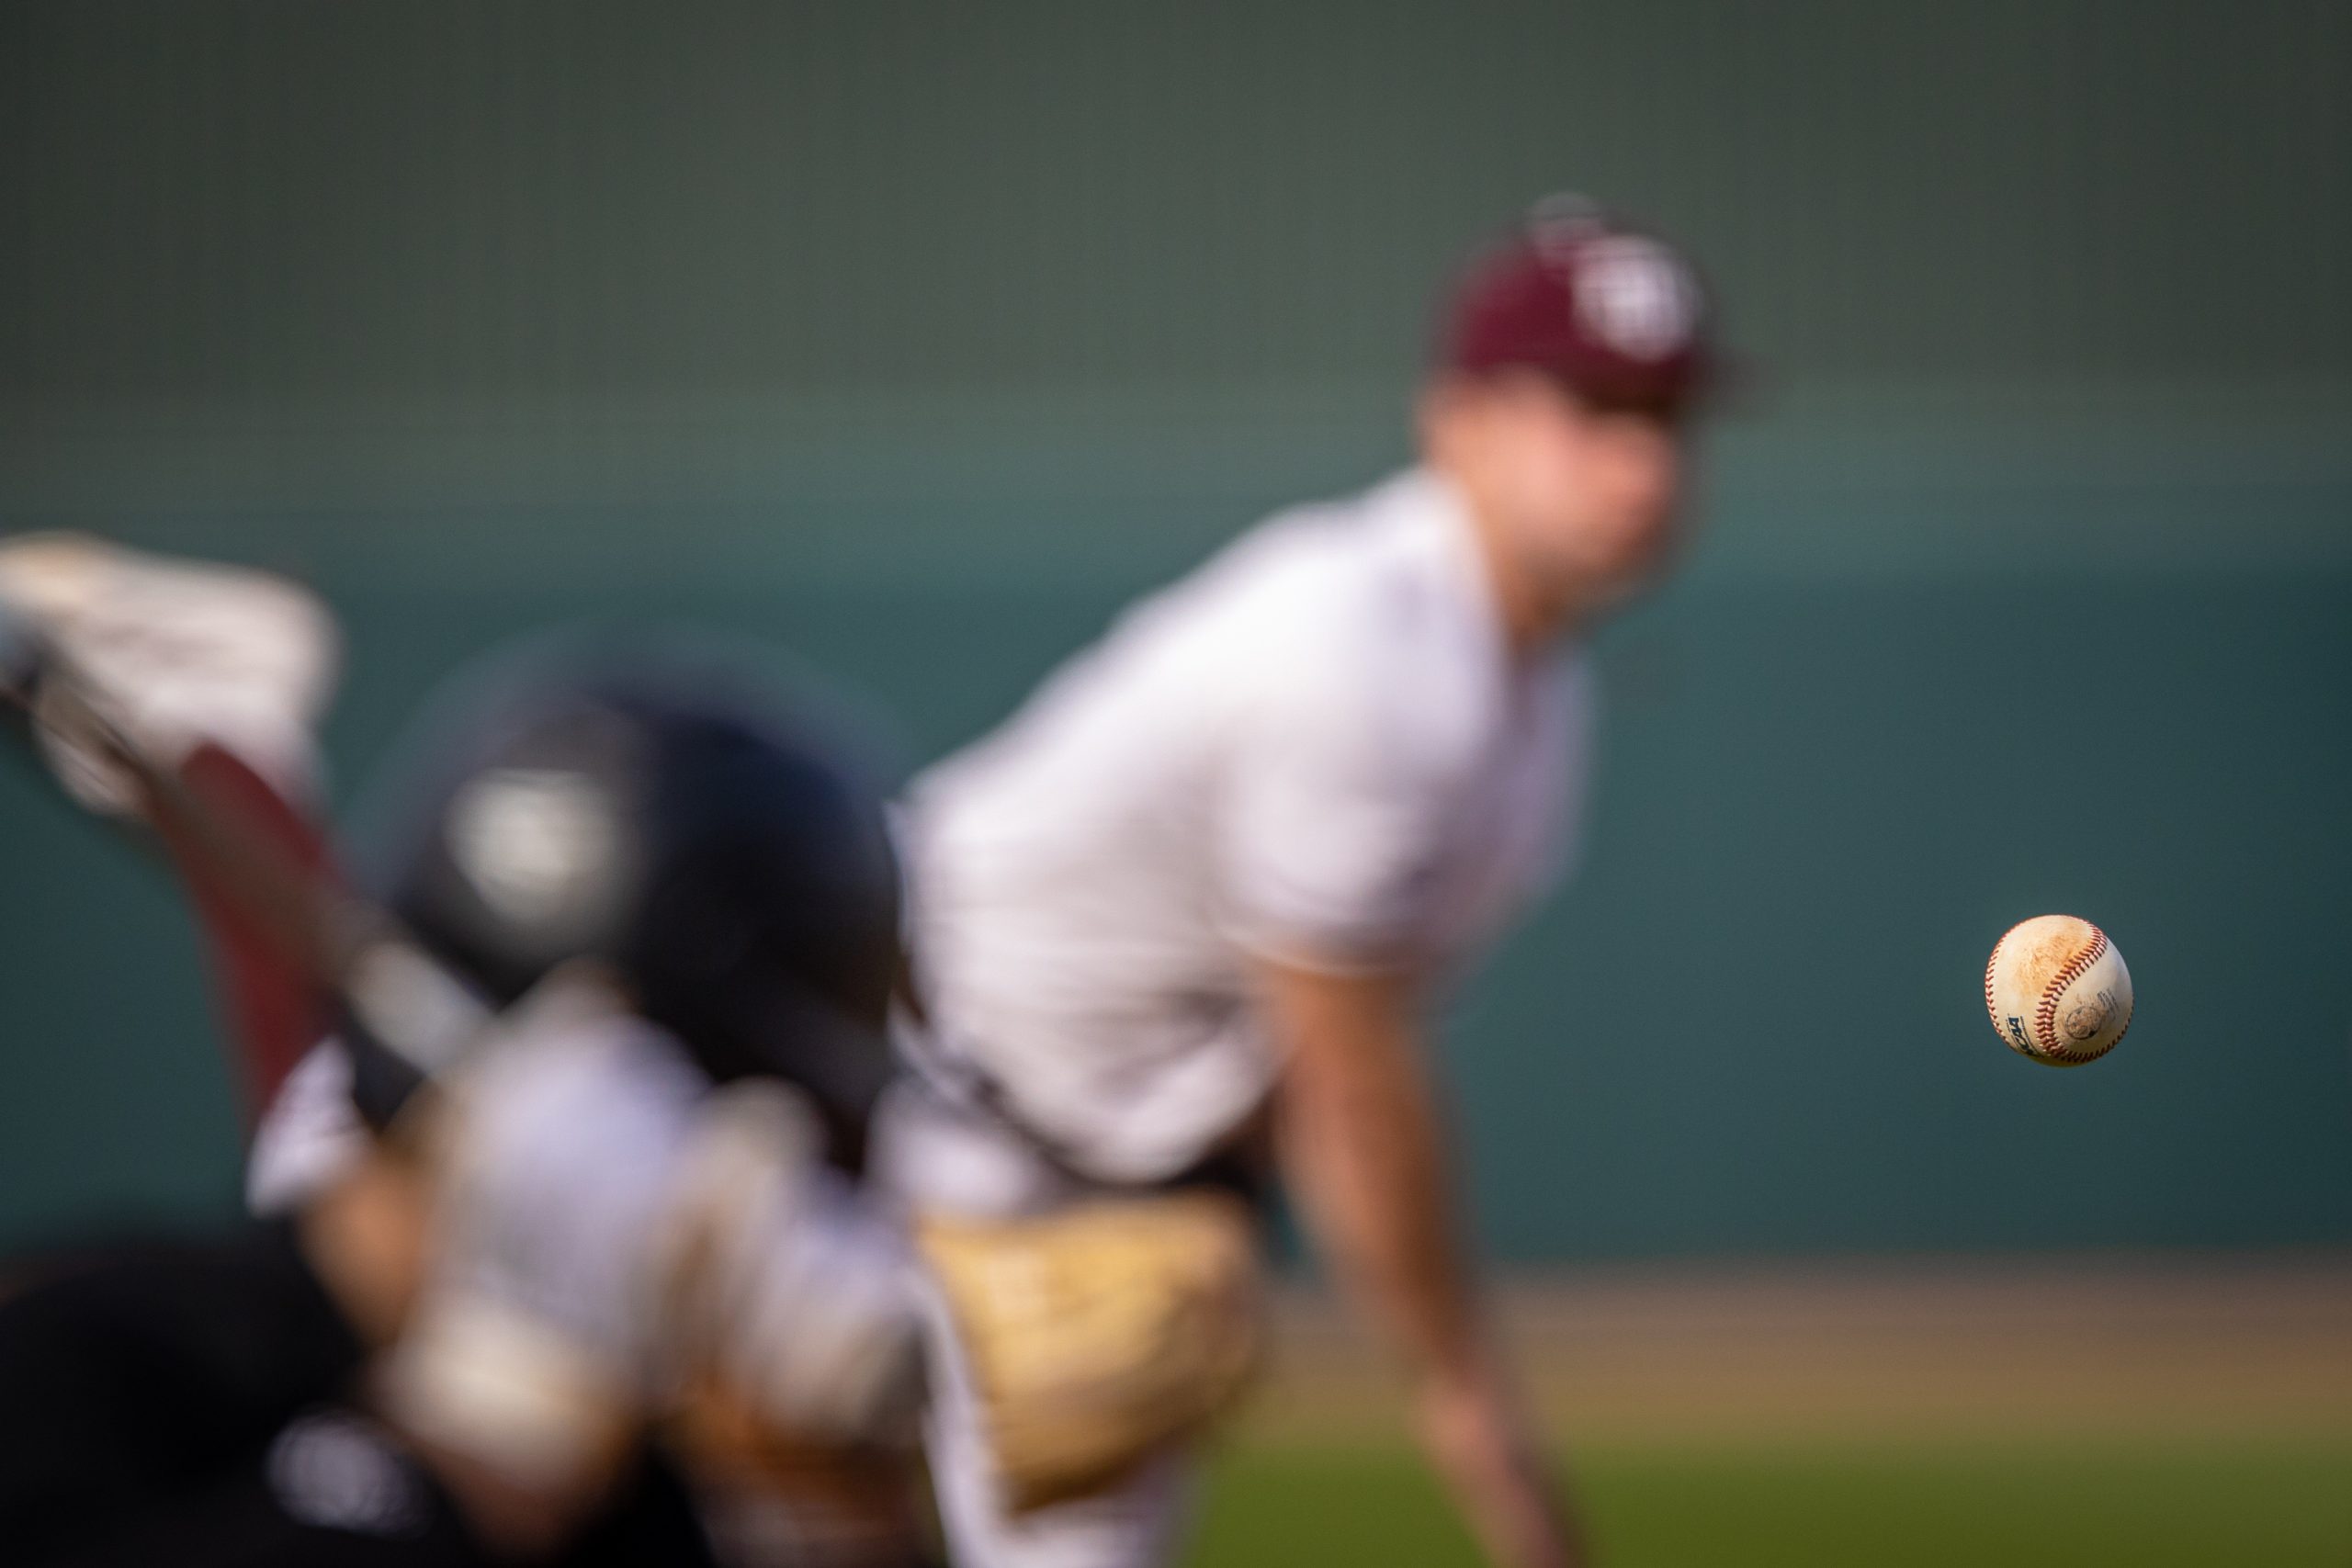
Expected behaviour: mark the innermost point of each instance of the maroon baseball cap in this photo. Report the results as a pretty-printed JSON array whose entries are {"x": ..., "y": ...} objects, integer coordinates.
[{"x": 1616, "y": 314}]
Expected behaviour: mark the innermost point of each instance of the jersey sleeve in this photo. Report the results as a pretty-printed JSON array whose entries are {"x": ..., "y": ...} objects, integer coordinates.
[
  {"x": 795, "y": 1294},
  {"x": 614, "y": 1235},
  {"x": 535, "y": 1334},
  {"x": 1328, "y": 830}
]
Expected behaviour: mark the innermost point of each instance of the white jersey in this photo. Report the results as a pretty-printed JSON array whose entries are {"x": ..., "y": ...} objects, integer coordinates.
[
  {"x": 607, "y": 1227},
  {"x": 1316, "y": 747}
]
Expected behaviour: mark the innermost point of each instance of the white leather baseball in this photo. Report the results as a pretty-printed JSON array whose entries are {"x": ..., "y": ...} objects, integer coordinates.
[{"x": 2058, "y": 990}]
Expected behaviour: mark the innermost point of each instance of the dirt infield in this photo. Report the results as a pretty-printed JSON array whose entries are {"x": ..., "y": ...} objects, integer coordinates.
[{"x": 2108, "y": 1348}]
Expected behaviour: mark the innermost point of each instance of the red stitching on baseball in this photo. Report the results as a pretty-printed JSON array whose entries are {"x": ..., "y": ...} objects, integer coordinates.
[{"x": 2045, "y": 1013}]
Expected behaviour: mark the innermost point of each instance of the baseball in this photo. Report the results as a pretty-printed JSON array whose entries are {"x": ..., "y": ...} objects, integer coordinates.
[{"x": 2058, "y": 990}]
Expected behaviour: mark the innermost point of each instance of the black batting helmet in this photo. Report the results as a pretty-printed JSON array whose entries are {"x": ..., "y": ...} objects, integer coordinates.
[{"x": 712, "y": 846}]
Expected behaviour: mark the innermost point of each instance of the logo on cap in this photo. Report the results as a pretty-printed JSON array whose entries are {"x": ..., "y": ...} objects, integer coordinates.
[{"x": 1633, "y": 297}]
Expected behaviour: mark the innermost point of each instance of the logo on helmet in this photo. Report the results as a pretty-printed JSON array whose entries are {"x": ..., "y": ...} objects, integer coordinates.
[{"x": 540, "y": 847}]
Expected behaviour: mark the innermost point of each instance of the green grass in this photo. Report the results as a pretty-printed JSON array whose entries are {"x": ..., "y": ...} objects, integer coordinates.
[{"x": 2211, "y": 1504}]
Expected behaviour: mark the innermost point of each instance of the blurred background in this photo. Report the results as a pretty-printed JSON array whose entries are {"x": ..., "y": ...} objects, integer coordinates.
[{"x": 918, "y": 338}]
